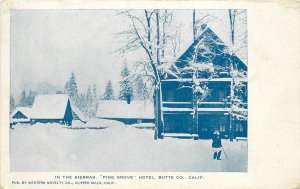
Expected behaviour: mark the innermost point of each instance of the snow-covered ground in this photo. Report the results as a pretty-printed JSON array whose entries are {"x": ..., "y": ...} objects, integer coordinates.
[{"x": 115, "y": 147}]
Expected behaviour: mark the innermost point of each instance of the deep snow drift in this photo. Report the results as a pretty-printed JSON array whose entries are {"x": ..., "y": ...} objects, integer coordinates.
[{"x": 112, "y": 146}]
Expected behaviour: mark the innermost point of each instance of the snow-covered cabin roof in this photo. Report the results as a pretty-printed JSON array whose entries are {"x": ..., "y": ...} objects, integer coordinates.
[
  {"x": 49, "y": 106},
  {"x": 79, "y": 114},
  {"x": 210, "y": 49},
  {"x": 26, "y": 111},
  {"x": 137, "y": 109}
]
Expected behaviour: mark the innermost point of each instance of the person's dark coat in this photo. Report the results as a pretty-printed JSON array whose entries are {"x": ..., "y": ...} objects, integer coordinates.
[{"x": 216, "y": 141}]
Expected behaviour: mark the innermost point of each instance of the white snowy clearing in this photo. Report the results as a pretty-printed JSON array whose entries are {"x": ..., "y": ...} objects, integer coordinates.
[{"x": 115, "y": 147}]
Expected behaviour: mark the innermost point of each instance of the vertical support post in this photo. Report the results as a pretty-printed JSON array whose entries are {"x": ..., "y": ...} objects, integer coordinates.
[
  {"x": 161, "y": 116},
  {"x": 195, "y": 104},
  {"x": 230, "y": 129},
  {"x": 196, "y": 118},
  {"x": 158, "y": 114},
  {"x": 155, "y": 115}
]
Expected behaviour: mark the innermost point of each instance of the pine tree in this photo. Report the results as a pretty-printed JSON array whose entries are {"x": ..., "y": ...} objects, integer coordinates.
[
  {"x": 89, "y": 101},
  {"x": 141, "y": 91},
  {"x": 71, "y": 89},
  {"x": 66, "y": 90},
  {"x": 94, "y": 92},
  {"x": 30, "y": 98},
  {"x": 95, "y": 101},
  {"x": 81, "y": 102},
  {"x": 11, "y": 104},
  {"x": 126, "y": 89},
  {"x": 109, "y": 92},
  {"x": 23, "y": 99}
]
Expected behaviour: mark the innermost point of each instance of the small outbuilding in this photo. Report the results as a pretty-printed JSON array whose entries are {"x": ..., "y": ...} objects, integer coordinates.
[
  {"x": 137, "y": 111},
  {"x": 55, "y": 108},
  {"x": 20, "y": 115}
]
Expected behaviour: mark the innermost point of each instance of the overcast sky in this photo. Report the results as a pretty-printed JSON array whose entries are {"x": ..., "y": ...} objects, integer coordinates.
[{"x": 47, "y": 45}]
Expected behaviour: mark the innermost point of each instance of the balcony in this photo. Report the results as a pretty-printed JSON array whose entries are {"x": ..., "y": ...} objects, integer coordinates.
[{"x": 202, "y": 106}]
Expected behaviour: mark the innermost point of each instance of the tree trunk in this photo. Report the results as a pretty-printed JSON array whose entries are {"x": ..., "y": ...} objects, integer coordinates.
[
  {"x": 194, "y": 24},
  {"x": 155, "y": 100},
  {"x": 157, "y": 38},
  {"x": 195, "y": 104},
  {"x": 232, "y": 14},
  {"x": 196, "y": 118},
  {"x": 159, "y": 128},
  {"x": 231, "y": 102}
]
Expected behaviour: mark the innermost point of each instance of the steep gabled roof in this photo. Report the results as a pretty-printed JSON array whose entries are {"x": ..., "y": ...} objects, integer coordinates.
[
  {"x": 137, "y": 109},
  {"x": 24, "y": 110},
  {"x": 79, "y": 114},
  {"x": 49, "y": 106},
  {"x": 210, "y": 49}
]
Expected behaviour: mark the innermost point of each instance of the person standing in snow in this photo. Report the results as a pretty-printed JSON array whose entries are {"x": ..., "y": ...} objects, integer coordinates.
[{"x": 217, "y": 144}]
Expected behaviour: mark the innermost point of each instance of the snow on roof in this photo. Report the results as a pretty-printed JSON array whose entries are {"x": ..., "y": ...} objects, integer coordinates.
[
  {"x": 207, "y": 48},
  {"x": 49, "y": 106},
  {"x": 80, "y": 115},
  {"x": 24, "y": 110},
  {"x": 137, "y": 109}
]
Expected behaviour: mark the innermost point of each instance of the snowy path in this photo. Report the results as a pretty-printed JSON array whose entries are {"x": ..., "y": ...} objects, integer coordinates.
[{"x": 116, "y": 148}]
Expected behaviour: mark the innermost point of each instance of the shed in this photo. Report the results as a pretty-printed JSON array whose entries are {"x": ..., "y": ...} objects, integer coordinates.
[{"x": 20, "y": 115}]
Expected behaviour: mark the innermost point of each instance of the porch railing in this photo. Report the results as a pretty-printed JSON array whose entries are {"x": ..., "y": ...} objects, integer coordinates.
[{"x": 200, "y": 105}]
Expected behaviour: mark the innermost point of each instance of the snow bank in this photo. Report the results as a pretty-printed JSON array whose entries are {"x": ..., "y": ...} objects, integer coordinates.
[
  {"x": 94, "y": 123},
  {"x": 109, "y": 123},
  {"x": 119, "y": 148},
  {"x": 143, "y": 125}
]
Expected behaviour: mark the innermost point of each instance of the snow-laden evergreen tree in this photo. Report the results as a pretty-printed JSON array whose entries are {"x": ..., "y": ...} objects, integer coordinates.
[
  {"x": 12, "y": 103},
  {"x": 66, "y": 89},
  {"x": 109, "y": 92},
  {"x": 126, "y": 89},
  {"x": 30, "y": 97},
  {"x": 89, "y": 101},
  {"x": 23, "y": 99},
  {"x": 71, "y": 88},
  {"x": 95, "y": 101},
  {"x": 81, "y": 102},
  {"x": 140, "y": 89}
]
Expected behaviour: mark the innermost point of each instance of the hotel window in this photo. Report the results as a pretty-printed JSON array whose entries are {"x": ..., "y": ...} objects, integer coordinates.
[
  {"x": 204, "y": 128},
  {"x": 222, "y": 124},
  {"x": 221, "y": 95},
  {"x": 222, "y": 128},
  {"x": 239, "y": 127}
]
